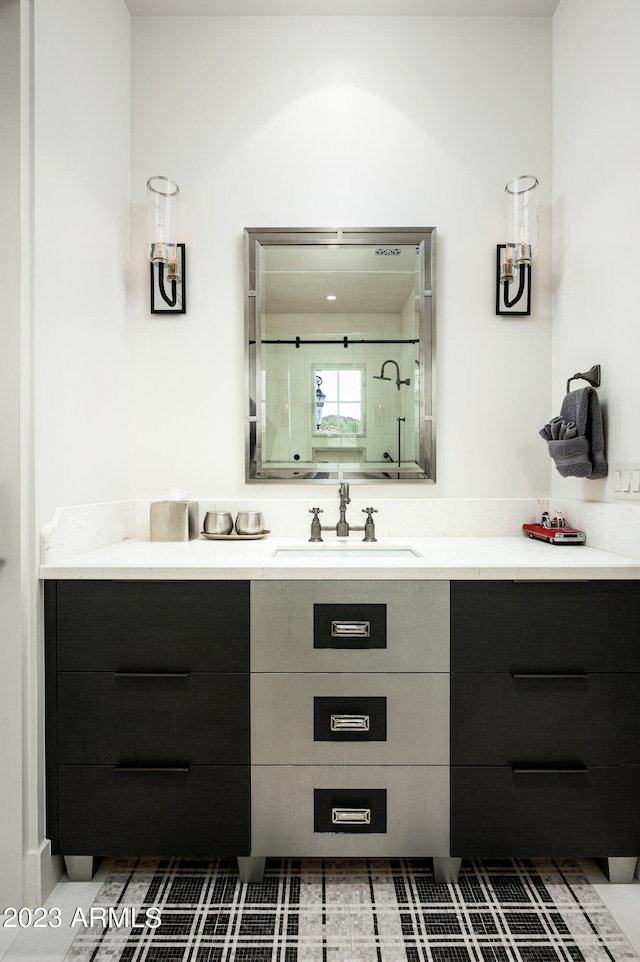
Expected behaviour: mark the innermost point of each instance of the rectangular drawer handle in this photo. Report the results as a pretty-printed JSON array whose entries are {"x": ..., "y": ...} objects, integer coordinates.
[
  {"x": 351, "y": 816},
  {"x": 550, "y": 771},
  {"x": 151, "y": 674},
  {"x": 133, "y": 769},
  {"x": 349, "y": 723},
  {"x": 569, "y": 675},
  {"x": 350, "y": 629}
]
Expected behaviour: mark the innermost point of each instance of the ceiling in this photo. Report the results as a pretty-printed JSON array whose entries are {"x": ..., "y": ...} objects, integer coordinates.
[
  {"x": 363, "y": 279},
  {"x": 306, "y": 293},
  {"x": 358, "y": 8}
]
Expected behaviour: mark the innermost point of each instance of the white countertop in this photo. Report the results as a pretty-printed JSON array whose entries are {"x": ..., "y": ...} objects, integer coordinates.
[{"x": 501, "y": 558}]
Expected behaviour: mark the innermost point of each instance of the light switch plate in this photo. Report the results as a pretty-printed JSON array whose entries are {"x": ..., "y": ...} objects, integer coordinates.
[{"x": 626, "y": 482}]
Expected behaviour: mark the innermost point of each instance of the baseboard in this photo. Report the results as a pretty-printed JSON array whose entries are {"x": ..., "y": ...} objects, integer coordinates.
[{"x": 42, "y": 872}]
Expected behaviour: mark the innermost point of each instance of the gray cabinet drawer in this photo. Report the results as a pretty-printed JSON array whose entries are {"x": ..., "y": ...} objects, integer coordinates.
[
  {"x": 287, "y": 721},
  {"x": 407, "y": 625},
  {"x": 289, "y": 806}
]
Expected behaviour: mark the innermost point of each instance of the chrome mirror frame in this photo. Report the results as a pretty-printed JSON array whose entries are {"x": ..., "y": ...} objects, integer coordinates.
[{"x": 422, "y": 468}]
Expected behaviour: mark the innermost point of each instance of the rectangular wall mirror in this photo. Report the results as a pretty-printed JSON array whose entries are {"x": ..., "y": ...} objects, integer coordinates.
[{"x": 340, "y": 354}]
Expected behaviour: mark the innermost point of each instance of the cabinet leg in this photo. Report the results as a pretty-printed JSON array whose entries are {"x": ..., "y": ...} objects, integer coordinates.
[
  {"x": 446, "y": 868},
  {"x": 81, "y": 868},
  {"x": 618, "y": 870},
  {"x": 251, "y": 869}
]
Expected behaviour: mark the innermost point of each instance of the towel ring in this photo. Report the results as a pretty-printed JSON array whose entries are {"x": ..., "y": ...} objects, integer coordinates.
[{"x": 592, "y": 376}]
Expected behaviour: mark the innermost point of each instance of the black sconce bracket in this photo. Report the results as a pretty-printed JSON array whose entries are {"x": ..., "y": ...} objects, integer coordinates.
[
  {"x": 519, "y": 303},
  {"x": 169, "y": 296}
]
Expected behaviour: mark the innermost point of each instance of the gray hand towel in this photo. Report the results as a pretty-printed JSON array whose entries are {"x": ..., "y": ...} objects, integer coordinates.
[
  {"x": 558, "y": 430},
  {"x": 575, "y": 438}
]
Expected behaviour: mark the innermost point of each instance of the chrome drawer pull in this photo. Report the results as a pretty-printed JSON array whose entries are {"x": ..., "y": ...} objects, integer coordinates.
[
  {"x": 350, "y": 629},
  {"x": 351, "y": 816},
  {"x": 349, "y": 723}
]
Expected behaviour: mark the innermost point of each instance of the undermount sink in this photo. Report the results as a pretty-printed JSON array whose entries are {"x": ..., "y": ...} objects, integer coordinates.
[{"x": 344, "y": 551}]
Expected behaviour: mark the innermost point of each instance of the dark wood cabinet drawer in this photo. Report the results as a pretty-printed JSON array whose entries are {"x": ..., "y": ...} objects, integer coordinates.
[
  {"x": 164, "y": 626},
  {"x": 110, "y": 718},
  {"x": 538, "y": 626},
  {"x": 106, "y": 811},
  {"x": 504, "y": 719},
  {"x": 500, "y": 813}
]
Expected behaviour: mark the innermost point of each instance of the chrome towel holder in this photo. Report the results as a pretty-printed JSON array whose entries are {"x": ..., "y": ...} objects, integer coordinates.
[{"x": 592, "y": 376}]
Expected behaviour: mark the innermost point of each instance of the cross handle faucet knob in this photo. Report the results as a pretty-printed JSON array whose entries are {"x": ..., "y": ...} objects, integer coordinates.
[
  {"x": 369, "y": 526},
  {"x": 316, "y": 529}
]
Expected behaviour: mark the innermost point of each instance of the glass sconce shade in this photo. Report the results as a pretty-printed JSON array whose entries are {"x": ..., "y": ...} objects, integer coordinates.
[
  {"x": 162, "y": 220},
  {"x": 521, "y": 198}
]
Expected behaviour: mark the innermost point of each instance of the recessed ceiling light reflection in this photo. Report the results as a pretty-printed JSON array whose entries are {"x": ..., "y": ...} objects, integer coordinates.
[{"x": 331, "y": 297}]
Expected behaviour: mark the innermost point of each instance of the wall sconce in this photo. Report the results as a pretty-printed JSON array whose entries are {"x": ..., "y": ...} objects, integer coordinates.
[
  {"x": 168, "y": 258},
  {"x": 513, "y": 263}
]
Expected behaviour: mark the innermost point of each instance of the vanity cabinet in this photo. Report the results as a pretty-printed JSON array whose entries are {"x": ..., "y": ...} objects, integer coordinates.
[
  {"x": 147, "y": 717},
  {"x": 350, "y": 718},
  {"x": 545, "y": 719},
  {"x": 484, "y": 719}
]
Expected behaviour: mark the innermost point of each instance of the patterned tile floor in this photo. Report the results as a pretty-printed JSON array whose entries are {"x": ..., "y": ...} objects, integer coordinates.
[{"x": 352, "y": 910}]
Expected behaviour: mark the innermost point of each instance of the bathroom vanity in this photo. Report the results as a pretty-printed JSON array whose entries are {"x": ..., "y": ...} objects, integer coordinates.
[{"x": 210, "y": 699}]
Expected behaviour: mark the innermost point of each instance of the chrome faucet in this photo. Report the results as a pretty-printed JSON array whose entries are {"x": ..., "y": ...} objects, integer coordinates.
[{"x": 342, "y": 528}]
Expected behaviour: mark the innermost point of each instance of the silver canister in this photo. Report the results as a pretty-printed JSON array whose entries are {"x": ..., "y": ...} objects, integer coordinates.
[
  {"x": 218, "y": 522},
  {"x": 173, "y": 520},
  {"x": 249, "y": 522}
]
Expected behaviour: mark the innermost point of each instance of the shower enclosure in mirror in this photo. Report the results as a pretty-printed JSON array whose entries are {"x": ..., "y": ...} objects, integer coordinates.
[{"x": 340, "y": 354}]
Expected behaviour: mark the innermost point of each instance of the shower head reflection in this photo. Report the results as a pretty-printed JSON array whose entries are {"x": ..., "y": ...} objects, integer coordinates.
[{"x": 381, "y": 375}]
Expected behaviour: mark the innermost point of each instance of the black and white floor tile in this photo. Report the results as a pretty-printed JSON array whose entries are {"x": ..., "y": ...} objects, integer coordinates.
[{"x": 327, "y": 910}]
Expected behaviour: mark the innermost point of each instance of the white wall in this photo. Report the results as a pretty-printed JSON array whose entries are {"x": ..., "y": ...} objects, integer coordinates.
[
  {"x": 350, "y": 121},
  {"x": 81, "y": 251},
  {"x": 596, "y": 212},
  {"x": 79, "y": 322}
]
